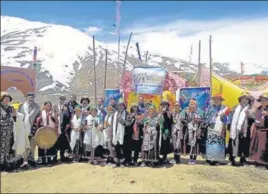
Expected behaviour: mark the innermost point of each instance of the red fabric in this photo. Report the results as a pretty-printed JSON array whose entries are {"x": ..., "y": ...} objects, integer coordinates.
[{"x": 173, "y": 82}]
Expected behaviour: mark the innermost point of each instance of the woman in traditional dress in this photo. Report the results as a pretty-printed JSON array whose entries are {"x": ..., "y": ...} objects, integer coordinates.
[
  {"x": 177, "y": 133},
  {"x": 191, "y": 118},
  {"x": 151, "y": 138},
  {"x": 7, "y": 126},
  {"x": 84, "y": 102},
  {"x": 119, "y": 123},
  {"x": 259, "y": 133},
  {"x": 215, "y": 120},
  {"x": 48, "y": 118},
  {"x": 166, "y": 119},
  {"x": 65, "y": 126},
  {"x": 108, "y": 135},
  {"x": 240, "y": 130},
  {"x": 93, "y": 139},
  {"x": 131, "y": 138},
  {"x": 76, "y": 142}
]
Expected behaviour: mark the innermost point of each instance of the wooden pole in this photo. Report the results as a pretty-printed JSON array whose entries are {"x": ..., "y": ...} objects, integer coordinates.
[
  {"x": 118, "y": 50},
  {"x": 125, "y": 59},
  {"x": 94, "y": 70},
  {"x": 146, "y": 58},
  {"x": 105, "y": 70},
  {"x": 210, "y": 63},
  {"x": 199, "y": 63}
]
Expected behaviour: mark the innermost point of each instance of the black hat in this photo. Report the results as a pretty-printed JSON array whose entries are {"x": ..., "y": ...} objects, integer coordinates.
[
  {"x": 84, "y": 98},
  {"x": 32, "y": 94}
]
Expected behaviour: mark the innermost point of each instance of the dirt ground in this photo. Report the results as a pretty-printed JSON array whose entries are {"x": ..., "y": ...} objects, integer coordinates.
[{"x": 85, "y": 178}]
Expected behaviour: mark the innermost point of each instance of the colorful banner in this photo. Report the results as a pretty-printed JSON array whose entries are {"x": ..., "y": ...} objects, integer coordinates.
[
  {"x": 148, "y": 80},
  {"x": 202, "y": 96},
  {"x": 133, "y": 99},
  {"x": 230, "y": 91},
  {"x": 115, "y": 94},
  {"x": 23, "y": 79}
]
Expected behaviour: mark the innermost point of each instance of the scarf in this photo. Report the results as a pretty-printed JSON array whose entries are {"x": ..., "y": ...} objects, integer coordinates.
[
  {"x": 47, "y": 120},
  {"x": 238, "y": 120}
]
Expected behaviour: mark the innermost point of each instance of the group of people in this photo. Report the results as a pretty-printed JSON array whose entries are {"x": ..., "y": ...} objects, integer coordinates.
[{"x": 112, "y": 135}]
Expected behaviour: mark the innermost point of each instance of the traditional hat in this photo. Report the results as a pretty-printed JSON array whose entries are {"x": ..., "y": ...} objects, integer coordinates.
[
  {"x": 5, "y": 94},
  {"x": 244, "y": 94},
  {"x": 109, "y": 107},
  {"x": 177, "y": 103},
  {"x": 93, "y": 108},
  {"x": 121, "y": 102},
  {"x": 62, "y": 97},
  {"x": 263, "y": 96},
  {"x": 220, "y": 96},
  {"x": 31, "y": 94},
  {"x": 77, "y": 107},
  {"x": 164, "y": 102},
  {"x": 84, "y": 98}
]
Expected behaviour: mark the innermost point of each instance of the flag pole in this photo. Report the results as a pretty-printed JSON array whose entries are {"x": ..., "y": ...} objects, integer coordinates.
[
  {"x": 94, "y": 70},
  {"x": 199, "y": 63},
  {"x": 124, "y": 65},
  {"x": 210, "y": 63},
  {"x": 146, "y": 57},
  {"x": 105, "y": 69}
]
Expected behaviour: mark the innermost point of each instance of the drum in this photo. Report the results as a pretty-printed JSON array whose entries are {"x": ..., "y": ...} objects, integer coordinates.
[{"x": 45, "y": 137}]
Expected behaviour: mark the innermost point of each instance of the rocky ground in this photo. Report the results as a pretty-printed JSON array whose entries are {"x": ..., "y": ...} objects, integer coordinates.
[{"x": 85, "y": 178}]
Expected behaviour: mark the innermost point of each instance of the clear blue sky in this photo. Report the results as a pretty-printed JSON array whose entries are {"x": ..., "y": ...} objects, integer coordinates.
[{"x": 102, "y": 13}]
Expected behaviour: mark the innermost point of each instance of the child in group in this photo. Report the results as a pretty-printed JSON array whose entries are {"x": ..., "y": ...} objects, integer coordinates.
[
  {"x": 93, "y": 139},
  {"x": 76, "y": 143},
  {"x": 108, "y": 134}
]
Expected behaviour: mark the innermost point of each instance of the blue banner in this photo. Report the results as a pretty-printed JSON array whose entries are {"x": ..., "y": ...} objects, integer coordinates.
[
  {"x": 149, "y": 80},
  {"x": 112, "y": 94},
  {"x": 201, "y": 95}
]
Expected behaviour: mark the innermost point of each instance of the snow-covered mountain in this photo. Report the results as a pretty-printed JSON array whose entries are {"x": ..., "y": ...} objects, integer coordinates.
[{"x": 65, "y": 56}]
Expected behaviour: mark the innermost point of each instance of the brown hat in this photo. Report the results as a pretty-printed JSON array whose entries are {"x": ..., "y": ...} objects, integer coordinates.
[
  {"x": 244, "y": 94},
  {"x": 218, "y": 96},
  {"x": 5, "y": 94}
]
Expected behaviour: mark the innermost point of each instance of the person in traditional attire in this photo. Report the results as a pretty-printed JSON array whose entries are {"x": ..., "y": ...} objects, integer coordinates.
[
  {"x": 27, "y": 114},
  {"x": 93, "y": 139},
  {"x": 141, "y": 104},
  {"x": 84, "y": 102},
  {"x": 48, "y": 118},
  {"x": 166, "y": 119},
  {"x": 240, "y": 130},
  {"x": 151, "y": 138},
  {"x": 119, "y": 120},
  {"x": 215, "y": 120},
  {"x": 63, "y": 143},
  {"x": 177, "y": 133},
  {"x": 137, "y": 133},
  {"x": 259, "y": 133},
  {"x": 191, "y": 119},
  {"x": 76, "y": 142},
  {"x": 72, "y": 103},
  {"x": 7, "y": 126},
  {"x": 129, "y": 129},
  {"x": 108, "y": 135}
]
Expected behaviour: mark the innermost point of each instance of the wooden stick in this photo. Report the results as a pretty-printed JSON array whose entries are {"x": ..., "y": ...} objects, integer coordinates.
[
  {"x": 105, "y": 70},
  {"x": 124, "y": 65},
  {"x": 210, "y": 64},
  {"x": 146, "y": 58},
  {"x": 199, "y": 63},
  {"x": 94, "y": 69}
]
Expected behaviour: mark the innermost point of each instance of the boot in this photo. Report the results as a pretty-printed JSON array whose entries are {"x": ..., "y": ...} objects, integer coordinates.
[{"x": 177, "y": 158}]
